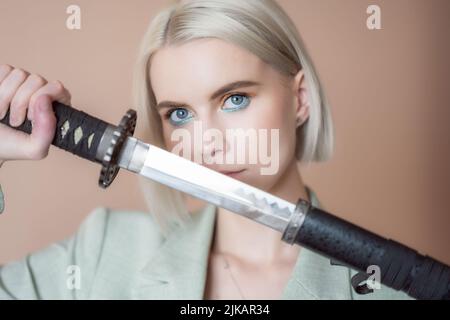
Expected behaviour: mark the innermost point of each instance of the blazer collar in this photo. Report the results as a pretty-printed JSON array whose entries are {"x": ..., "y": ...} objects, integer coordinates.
[{"x": 178, "y": 269}]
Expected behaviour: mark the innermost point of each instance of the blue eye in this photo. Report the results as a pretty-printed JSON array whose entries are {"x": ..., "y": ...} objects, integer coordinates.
[
  {"x": 179, "y": 116},
  {"x": 236, "y": 102}
]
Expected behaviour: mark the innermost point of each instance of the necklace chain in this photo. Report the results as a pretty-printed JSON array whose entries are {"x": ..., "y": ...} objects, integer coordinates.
[{"x": 227, "y": 266}]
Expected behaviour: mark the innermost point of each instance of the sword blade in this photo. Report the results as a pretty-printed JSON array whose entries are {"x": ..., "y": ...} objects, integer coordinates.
[{"x": 221, "y": 190}]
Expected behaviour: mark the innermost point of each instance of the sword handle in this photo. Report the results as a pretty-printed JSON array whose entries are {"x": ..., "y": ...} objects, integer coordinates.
[
  {"x": 401, "y": 267},
  {"x": 88, "y": 137}
]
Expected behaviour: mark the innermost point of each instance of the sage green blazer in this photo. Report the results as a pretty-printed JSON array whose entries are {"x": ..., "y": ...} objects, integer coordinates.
[{"x": 122, "y": 255}]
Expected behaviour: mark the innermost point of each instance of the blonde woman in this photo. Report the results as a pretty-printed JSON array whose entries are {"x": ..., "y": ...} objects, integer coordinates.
[{"x": 226, "y": 64}]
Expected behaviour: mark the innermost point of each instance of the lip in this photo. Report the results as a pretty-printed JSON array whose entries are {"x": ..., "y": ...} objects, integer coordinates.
[{"x": 232, "y": 173}]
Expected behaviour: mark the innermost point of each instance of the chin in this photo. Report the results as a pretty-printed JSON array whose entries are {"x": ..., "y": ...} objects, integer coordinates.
[{"x": 254, "y": 178}]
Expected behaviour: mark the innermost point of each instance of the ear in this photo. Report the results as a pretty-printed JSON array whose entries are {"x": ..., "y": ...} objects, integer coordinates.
[{"x": 302, "y": 105}]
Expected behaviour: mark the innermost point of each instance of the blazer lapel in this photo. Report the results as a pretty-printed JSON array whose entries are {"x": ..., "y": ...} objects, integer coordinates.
[
  {"x": 179, "y": 267},
  {"x": 314, "y": 277}
]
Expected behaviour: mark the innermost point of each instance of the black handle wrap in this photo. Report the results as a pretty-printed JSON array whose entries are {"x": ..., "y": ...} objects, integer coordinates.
[
  {"x": 76, "y": 131},
  {"x": 402, "y": 268}
]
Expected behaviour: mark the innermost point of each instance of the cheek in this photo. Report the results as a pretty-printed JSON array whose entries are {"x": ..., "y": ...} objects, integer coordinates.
[
  {"x": 277, "y": 113},
  {"x": 273, "y": 112},
  {"x": 170, "y": 134},
  {"x": 167, "y": 133},
  {"x": 179, "y": 140}
]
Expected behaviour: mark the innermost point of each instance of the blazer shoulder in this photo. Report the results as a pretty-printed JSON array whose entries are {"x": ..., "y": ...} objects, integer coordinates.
[{"x": 108, "y": 246}]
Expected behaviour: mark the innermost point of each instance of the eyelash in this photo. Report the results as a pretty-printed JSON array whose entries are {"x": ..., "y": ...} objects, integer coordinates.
[{"x": 172, "y": 110}]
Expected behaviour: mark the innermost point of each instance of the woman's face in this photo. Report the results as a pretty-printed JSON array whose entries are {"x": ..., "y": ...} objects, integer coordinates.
[{"x": 211, "y": 121}]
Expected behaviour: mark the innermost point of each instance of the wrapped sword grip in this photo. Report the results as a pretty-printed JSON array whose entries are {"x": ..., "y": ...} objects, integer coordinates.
[
  {"x": 76, "y": 131},
  {"x": 402, "y": 268},
  {"x": 88, "y": 137}
]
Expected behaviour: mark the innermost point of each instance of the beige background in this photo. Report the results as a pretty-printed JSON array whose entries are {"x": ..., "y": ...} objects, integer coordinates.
[{"x": 388, "y": 89}]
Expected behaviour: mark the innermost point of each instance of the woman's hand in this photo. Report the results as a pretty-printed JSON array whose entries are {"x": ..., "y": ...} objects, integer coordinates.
[{"x": 28, "y": 96}]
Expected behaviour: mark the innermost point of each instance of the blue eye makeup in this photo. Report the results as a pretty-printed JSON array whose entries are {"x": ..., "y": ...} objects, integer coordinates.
[
  {"x": 236, "y": 102},
  {"x": 179, "y": 116}
]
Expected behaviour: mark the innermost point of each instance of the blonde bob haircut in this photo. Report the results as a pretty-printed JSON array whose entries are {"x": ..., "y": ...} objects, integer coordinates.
[{"x": 262, "y": 28}]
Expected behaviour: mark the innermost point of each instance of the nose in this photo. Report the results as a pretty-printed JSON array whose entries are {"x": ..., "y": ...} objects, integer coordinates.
[
  {"x": 211, "y": 149},
  {"x": 209, "y": 142}
]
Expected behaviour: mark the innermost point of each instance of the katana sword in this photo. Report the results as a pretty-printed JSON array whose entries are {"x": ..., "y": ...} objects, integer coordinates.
[{"x": 114, "y": 147}]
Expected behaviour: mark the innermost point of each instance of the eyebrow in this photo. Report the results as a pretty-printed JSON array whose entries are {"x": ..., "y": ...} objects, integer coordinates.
[{"x": 224, "y": 89}]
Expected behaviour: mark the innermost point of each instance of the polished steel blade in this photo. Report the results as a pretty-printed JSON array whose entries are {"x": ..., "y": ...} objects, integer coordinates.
[{"x": 206, "y": 184}]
